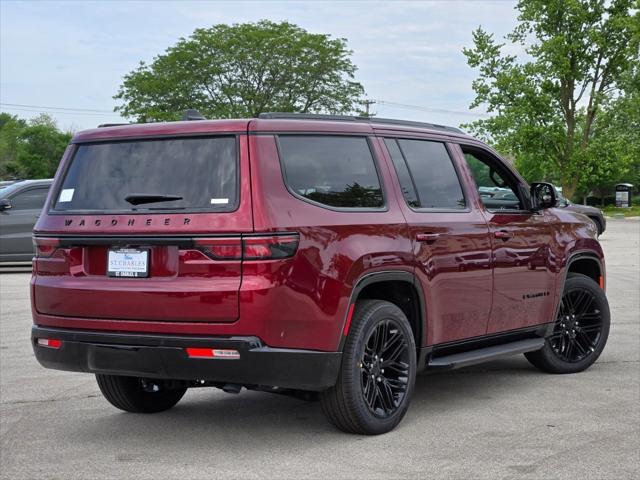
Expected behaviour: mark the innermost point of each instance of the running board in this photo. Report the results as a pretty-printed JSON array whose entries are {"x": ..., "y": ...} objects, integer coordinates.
[{"x": 482, "y": 355}]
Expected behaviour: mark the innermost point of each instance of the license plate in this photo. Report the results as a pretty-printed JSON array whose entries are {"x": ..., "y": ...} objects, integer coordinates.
[{"x": 128, "y": 262}]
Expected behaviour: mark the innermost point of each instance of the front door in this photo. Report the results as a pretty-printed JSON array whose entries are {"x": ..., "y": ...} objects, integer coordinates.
[
  {"x": 524, "y": 281},
  {"x": 450, "y": 240}
]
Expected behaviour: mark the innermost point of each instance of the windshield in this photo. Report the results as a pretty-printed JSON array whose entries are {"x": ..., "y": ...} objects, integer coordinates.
[{"x": 193, "y": 174}]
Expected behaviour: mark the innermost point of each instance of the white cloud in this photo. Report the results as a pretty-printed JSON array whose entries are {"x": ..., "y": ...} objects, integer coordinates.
[{"x": 73, "y": 54}]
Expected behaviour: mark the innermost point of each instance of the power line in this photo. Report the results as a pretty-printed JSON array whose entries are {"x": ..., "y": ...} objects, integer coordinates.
[
  {"x": 63, "y": 110},
  {"x": 61, "y": 113},
  {"x": 368, "y": 103},
  {"x": 407, "y": 106}
]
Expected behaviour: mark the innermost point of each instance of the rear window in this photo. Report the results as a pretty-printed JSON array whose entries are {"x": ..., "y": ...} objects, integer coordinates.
[
  {"x": 331, "y": 170},
  {"x": 194, "y": 174}
]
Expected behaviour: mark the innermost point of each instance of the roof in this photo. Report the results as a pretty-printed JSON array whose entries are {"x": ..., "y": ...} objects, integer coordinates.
[
  {"x": 7, "y": 191},
  {"x": 40, "y": 181},
  {"x": 160, "y": 129},
  {"x": 268, "y": 122}
]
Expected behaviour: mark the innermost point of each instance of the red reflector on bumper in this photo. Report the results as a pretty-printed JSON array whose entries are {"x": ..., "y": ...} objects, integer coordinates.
[
  {"x": 49, "y": 342},
  {"x": 197, "y": 352}
]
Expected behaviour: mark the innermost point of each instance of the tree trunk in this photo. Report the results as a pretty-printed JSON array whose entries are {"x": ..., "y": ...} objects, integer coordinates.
[{"x": 569, "y": 187}]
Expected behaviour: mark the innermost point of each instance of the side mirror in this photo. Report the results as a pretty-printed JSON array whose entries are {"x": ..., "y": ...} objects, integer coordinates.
[
  {"x": 543, "y": 195},
  {"x": 5, "y": 204}
]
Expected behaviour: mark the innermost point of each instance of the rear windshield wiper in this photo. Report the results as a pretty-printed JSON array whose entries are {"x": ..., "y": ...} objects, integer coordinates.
[{"x": 140, "y": 198}]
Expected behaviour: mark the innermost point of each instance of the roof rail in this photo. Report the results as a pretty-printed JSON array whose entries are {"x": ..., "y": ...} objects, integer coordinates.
[
  {"x": 103, "y": 125},
  {"x": 350, "y": 118}
]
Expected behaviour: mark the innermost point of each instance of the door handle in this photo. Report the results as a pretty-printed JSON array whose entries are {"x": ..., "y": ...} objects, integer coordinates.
[
  {"x": 502, "y": 234},
  {"x": 427, "y": 237}
]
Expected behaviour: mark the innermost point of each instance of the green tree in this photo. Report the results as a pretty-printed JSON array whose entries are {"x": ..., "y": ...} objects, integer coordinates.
[
  {"x": 614, "y": 150},
  {"x": 30, "y": 149},
  {"x": 547, "y": 106},
  {"x": 10, "y": 129},
  {"x": 242, "y": 70}
]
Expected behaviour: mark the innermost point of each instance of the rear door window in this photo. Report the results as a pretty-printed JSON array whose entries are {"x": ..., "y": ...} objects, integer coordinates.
[
  {"x": 336, "y": 171},
  {"x": 430, "y": 180},
  {"x": 404, "y": 176},
  {"x": 185, "y": 174}
]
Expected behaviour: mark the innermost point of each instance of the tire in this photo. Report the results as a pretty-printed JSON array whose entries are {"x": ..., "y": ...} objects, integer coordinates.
[
  {"x": 138, "y": 395},
  {"x": 581, "y": 329},
  {"x": 598, "y": 225},
  {"x": 377, "y": 327}
]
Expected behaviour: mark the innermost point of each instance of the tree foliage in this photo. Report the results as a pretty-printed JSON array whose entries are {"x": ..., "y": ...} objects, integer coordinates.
[
  {"x": 30, "y": 149},
  {"x": 242, "y": 70},
  {"x": 551, "y": 107}
]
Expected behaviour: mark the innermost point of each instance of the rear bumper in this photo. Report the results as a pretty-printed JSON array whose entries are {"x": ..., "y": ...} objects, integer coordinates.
[{"x": 165, "y": 357}]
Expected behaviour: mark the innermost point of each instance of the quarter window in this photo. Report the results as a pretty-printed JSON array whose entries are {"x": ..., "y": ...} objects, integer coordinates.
[
  {"x": 426, "y": 174},
  {"x": 331, "y": 170}
]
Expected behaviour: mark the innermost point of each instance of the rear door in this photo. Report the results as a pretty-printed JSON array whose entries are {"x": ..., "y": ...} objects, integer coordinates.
[
  {"x": 147, "y": 230},
  {"x": 450, "y": 239},
  {"x": 523, "y": 275},
  {"x": 16, "y": 223}
]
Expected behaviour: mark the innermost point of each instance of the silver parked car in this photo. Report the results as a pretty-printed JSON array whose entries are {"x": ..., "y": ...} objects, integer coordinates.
[{"x": 20, "y": 206}]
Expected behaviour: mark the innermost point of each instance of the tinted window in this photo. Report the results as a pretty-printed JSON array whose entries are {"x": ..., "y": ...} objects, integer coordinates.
[
  {"x": 334, "y": 171},
  {"x": 496, "y": 190},
  {"x": 433, "y": 173},
  {"x": 202, "y": 171},
  {"x": 32, "y": 199},
  {"x": 404, "y": 177}
]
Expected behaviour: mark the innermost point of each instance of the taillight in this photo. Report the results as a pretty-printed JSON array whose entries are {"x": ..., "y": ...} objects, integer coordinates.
[
  {"x": 220, "y": 248},
  {"x": 269, "y": 247},
  {"x": 45, "y": 246},
  {"x": 258, "y": 247}
]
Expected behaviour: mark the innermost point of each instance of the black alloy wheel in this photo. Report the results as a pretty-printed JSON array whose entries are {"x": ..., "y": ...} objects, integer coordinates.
[
  {"x": 578, "y": 326},
  {"x": 385, "y": 369},
  {"x": 580, "y": 330},
  {"x": 378, "y": 372}
]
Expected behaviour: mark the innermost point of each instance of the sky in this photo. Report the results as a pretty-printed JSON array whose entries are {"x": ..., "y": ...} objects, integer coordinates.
[{"x": 73, "y": 55}]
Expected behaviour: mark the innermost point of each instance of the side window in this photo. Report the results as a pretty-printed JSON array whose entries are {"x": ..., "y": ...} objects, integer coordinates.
[
  {"x": 497, "y": 190},
  {"x": 406, "y": 182},
  {"x": 32, "y": 199},
  {"x": 432, "y": 173},
  {"x": 332, "y": 170}
]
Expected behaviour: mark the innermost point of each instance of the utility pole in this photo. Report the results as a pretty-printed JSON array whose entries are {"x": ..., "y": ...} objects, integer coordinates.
[{"x": 367, "y": 104}]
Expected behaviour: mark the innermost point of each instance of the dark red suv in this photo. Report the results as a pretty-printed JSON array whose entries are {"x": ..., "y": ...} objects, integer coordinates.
[{"x": 300, "y": 254}]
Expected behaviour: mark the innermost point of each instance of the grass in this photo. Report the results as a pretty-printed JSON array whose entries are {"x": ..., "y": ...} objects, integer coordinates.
[{"x": 634, "y": 211}]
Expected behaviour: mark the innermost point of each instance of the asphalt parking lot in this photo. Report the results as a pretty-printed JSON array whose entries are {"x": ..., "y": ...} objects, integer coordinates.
[{"x": 500, "y": 420}]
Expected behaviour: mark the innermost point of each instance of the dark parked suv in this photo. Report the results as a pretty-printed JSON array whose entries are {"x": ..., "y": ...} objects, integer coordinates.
[
  {"x": 20, "y": 206},
  {"x": 595, "y": 214},
  {"x": 300, "y": 254}
]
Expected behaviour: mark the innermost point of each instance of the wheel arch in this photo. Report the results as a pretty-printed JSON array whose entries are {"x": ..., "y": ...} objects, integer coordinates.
[
  {"x": 399, "y": 287},
  {"x": 587, "y": 264}
]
